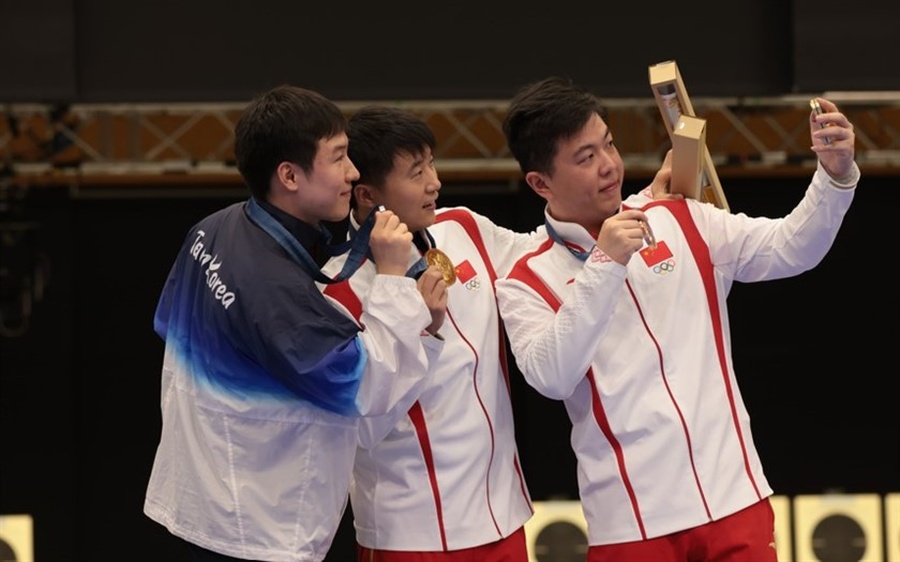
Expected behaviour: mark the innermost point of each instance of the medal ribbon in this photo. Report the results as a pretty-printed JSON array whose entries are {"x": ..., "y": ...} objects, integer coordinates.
[
  {"x": 357, "y": 246},
  {"x": 583, "y": 256},
  {"x": 418, "y": 268},
  {"x": 422, "y": 238}
]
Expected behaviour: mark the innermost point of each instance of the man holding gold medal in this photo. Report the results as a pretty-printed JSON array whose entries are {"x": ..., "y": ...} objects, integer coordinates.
[
  {"x": 622, "y": 314},
  {"x": 443, "y": 477}
]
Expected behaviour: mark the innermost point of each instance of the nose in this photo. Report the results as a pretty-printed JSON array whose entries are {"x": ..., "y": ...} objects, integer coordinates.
[
  {"x": 352, "y": 172},
  {"x": 434, "y": 183},
  {"x": 607, "y": 163}
]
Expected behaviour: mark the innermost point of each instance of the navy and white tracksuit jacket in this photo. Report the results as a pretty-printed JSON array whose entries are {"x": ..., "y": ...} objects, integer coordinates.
[{"x": 263, "y": 384}]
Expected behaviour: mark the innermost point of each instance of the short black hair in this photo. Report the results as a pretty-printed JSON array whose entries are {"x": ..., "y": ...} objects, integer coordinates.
[
  {"x": 284, "y": 124},
  {"x": 543, "y": 113},
  {"x": 378, "y": 133}
]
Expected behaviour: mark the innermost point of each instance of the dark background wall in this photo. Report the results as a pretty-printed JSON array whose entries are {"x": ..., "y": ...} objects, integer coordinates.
[
  {"x": 79, "y": 384},
  {"x": 201, "y": 50}
]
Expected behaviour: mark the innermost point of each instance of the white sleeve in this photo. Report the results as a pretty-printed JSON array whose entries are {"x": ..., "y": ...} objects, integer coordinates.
[
  {"x": 553, "y": 350},
  {"x": 373, "y": 429},
  {"x": 393, "y": 317},
  {"x": 505, "y": 246},
  {"x": 751, "y": 249}
]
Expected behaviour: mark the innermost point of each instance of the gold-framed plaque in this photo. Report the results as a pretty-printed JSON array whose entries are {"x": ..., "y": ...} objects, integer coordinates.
[{"x": 701, "y": 183}]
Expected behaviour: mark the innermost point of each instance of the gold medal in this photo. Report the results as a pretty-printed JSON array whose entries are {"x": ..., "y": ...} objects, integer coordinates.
[{"x": 440, "y": 259}]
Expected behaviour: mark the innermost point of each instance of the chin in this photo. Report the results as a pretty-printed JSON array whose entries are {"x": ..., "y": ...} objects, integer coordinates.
[
  {"x": 612, "y": 208},
  {"x": 338, "y": 216},
  {"x": 421, "y": 222},
  {"x": 427, "y": 223}
]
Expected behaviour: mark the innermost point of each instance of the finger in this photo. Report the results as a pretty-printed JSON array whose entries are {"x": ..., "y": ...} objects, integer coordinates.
[
  {"x": 426, "y": 282},
  {"x": 382, "y": 219},
  {"x": 435, "y": 296},
  {"x": 430, "y": 278},
  {"x": 834, "y": 134},
  {"x": 401, "y": 226},
  {"x": 827, "y": 106},
  {"x": 632, "y": 215},
  {"x": 396, "y": 227}
]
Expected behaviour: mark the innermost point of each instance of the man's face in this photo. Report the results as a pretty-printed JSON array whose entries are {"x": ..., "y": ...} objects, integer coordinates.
[
  {"x": 586, "y": 184},
  {"x": 325, "y": 193},
  {"x": 411, "y": 189}
]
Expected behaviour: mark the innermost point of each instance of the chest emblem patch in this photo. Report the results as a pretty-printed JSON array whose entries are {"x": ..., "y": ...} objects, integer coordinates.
[
  {"x": 659, "y": 259},
  {"x": 467, "y": 276}
]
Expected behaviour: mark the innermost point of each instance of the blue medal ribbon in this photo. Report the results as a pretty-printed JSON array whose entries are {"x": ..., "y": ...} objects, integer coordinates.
[
  {"x": 418, "y": 268},
  {"x": 583, "y": 256},
  {"x": 423, "y": 241},
  {"x": 357, "y": 246}
]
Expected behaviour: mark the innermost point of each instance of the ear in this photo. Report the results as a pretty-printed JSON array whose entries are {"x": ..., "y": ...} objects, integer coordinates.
[
  {"x": 289, "y": 175},
  {"x": 365, "y": 196},
  {"x": 538, "y": 182}
]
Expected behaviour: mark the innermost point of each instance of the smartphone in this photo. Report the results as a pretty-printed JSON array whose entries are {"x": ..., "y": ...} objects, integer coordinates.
[{"x": 814, "y": 104}]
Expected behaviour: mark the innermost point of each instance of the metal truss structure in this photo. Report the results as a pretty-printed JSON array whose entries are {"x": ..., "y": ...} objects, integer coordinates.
[{"x": 166, "y": 144}]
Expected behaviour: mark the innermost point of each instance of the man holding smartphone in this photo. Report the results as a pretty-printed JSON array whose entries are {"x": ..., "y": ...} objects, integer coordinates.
[{"x": 634, "y": 336}]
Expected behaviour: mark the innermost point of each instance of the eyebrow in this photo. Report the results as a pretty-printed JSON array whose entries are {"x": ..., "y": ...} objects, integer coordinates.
[
  {"x": 590, "y": 145},
  {"x": 415, "y": 160},
  {"x": 341, "y": 145}
]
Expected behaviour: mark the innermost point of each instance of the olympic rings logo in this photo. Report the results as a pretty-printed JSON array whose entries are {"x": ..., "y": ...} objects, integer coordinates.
[
  {"x": 662, "y": 268},
  {"x": 473, "y": 284}
]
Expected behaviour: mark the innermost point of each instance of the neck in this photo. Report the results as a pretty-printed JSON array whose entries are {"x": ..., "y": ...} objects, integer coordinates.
[
  {"x": 360, "y": 214},
  {"x": 284, "y": 205},
  {"x": 593, "y": 227}
]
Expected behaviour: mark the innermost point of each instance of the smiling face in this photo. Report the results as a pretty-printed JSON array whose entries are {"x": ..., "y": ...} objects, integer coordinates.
[
  {"x": 585, "y": 185},
  {"x": 324, "y": 193},
  {"x": 410, "y": 190}
]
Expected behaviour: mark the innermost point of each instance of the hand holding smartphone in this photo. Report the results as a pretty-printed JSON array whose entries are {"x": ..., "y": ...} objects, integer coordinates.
[{"x": 814, "y": 104}]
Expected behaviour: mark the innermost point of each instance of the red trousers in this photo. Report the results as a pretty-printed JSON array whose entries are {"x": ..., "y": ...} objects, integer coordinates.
[{"x": 745, "y": 536}]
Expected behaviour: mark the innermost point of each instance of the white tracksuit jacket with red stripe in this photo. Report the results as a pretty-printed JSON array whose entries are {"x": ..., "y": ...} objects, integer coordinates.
[
  {"x": 641, "y": 355},
  {"x": 446, "y": 475}
]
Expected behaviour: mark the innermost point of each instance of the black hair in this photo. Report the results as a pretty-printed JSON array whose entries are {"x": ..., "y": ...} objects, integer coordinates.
[
  {"x": 284, "y": 124},
  {"x": 378, "y": 133},
  {"x": 543, "y": 113}
]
